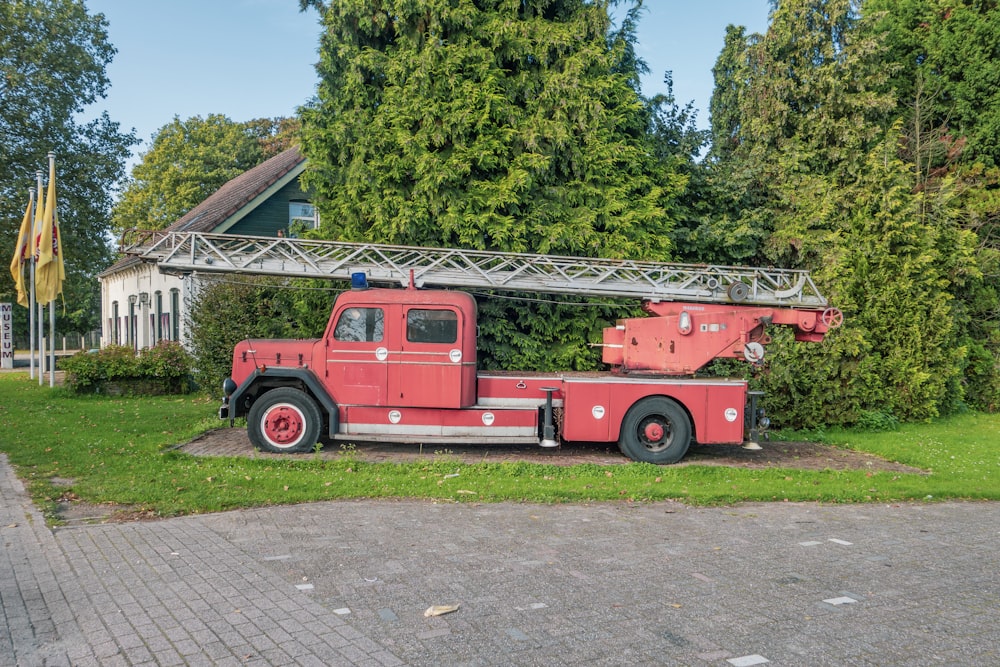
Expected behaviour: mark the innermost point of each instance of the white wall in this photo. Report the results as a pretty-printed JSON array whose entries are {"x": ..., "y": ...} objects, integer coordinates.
[{"x": 150, "y": 307}]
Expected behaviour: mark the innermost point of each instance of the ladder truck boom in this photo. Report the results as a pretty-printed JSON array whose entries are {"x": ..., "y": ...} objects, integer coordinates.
[{"x": 187, "y": 252}]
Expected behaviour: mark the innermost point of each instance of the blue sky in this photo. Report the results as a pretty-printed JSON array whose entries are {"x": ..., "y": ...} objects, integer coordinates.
[{"x": 254, "y": 58}]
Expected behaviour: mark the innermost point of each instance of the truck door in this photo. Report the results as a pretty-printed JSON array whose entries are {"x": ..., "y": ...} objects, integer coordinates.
[
  {"x": 431, "y": 372},
  {"x": 358, "y": 355}
]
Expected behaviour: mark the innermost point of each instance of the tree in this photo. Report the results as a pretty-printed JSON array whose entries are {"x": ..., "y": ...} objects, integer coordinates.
[
  {"x": 494, "y": 125},
  {"x": 489, "y": 125},
  {"x": 807, "y": 134},
  {"x": 191, "y": 159},
  {"x": 815, "y": 104},
  {"x": 53, "y": 59},
  {"x": 948, "y": 52},
  {"x": 901, "y": 354},
  {"x": 947, "y": 82}
]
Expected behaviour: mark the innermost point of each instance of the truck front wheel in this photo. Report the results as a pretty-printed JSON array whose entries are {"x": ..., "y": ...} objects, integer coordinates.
[
  {"x": 655, "y": 430},
  {"x": 284, "y": 420}
]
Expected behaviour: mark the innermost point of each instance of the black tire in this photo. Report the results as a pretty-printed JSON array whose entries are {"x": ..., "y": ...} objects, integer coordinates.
[
  {"x": 655, "y": 430},
  {"x": 284, "y": 420}
]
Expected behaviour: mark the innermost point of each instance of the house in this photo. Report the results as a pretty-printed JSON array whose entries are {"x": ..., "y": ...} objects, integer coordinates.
[{"x": 141, "y": 306}]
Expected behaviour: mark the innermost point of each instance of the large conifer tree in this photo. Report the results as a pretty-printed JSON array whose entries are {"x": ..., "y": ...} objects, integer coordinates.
[
  {"x": 496, "y": 125},
  {"x": 488, "y": 124},
  {"x": 808, "y": 152}
]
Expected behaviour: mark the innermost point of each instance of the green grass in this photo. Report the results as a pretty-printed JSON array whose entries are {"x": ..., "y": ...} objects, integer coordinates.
[{"x": 117, "y": 451}]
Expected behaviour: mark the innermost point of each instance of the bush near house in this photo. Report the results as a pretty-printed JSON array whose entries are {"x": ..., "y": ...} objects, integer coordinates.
[{"x": 164, "y": 368}]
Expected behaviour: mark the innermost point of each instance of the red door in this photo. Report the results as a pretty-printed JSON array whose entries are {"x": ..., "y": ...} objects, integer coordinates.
[
  {"x": 358, "y": 353},
  {"x": 431, "y": 370}
]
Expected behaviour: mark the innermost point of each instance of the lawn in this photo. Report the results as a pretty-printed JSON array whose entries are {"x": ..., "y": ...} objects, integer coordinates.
[{"x": 105, "y": 450}]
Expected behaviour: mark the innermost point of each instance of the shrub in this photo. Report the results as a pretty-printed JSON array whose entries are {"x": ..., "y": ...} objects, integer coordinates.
[
  {"x": 165, "y": 360},
  {"x": 228, "y": 311},
  {"x": 163, "y": 368}
]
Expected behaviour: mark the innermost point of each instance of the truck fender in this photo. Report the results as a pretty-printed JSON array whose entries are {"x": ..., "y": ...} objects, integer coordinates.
[{"x": 283, "y": 377}]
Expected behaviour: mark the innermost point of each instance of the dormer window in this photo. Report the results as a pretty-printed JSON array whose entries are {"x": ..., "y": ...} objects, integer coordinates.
[{"x": 302, "y": 214}]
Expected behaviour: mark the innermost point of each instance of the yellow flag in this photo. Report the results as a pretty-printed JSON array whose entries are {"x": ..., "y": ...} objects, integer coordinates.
[
  {"x": 22, "y": 253},
  {"x": 36, "y": 229},
  {"x": 50, "y": 271}
]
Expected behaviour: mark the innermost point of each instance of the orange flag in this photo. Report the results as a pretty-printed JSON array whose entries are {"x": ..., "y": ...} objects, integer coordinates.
[
  {"x": 22, "y": 253},
  {"x": 50, "y": 273}
]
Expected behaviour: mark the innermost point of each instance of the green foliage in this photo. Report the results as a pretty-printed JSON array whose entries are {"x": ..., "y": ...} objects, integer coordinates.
[
  {"x": 900, "y": 350},
  {"x": 494, "y": 125},
  {"x": 191, "y": 159},
  {"x": 542, "y": 335},
  {"x": 167, "y": 360},
  {"x": 163, "y": 368},
  {"x": 946, "y": 80},
  {"x": 53, "y": 60},
  {"x": 949, "y": 58},
  {"x": 874, "y": 421},
  {"x": 814, "y": 164},
  {"x": 503, "y": 127},
  {"x": 794, "y": 113},
  {"x": 228, "y": 311}
]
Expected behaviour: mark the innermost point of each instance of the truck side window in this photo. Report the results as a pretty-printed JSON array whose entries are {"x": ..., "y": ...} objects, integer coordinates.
[
  {"x": 360, "y": 325},
  {"x": 431, "y": 326}
]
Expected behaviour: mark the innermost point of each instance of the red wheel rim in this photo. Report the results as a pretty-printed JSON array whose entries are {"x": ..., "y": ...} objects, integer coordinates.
[
  {"x": 832, "y": 318},
  {"x": 283, "y": 425},
  {"x": 653, "y": 431}
]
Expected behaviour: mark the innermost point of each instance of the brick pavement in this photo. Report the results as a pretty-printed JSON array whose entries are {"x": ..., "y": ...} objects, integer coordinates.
[{"x": 347, "y": 583}]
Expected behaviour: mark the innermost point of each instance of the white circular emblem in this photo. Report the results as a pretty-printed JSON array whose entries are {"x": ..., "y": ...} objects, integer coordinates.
[
  {"x": 597, "y": 411},
  {"x": 395, "y": 416},
  {"x": 488, "y": 418},
  {"x": 381, "y": 353},
  {"x": 731, "y": 414},
  {"x": 455, "y": 356},
  {"x": 753, "y": 352}
]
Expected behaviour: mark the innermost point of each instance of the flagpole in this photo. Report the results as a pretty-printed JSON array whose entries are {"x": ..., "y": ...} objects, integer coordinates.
[
  {"x": 52, "y": 343},
  {"x": 41, "y": 344},
  {"x": 39, "y": 319},
  {"x": 31, "y": 300},
  {"x": 52, "y": 303}
]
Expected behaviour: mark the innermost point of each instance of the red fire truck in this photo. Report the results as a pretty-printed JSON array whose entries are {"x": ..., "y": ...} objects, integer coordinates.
[{"x": 400, "y": 365}]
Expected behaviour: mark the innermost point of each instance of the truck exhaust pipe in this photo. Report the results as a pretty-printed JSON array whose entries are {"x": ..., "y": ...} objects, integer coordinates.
[
  {"x": 757, "y": 423},
  {"x": 548, "y": 429}
]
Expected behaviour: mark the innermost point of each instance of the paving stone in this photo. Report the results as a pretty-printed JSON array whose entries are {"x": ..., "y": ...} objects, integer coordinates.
[{"x": 603, "y": 584}]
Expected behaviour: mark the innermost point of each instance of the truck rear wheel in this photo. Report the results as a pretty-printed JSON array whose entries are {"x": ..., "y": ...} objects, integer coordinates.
[
  {"x": 655, "y": 430},
  {"x": 284, "y": 420}
]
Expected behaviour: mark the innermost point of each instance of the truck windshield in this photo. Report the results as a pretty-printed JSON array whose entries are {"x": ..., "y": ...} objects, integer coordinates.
[{"x": 360, "y": 325}]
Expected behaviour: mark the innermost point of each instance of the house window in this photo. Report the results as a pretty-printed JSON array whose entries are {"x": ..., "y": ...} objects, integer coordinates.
[
  {"x": 158, "y": 300},
  {"x": 301, "y": 214},
  {"x": 130, "y": 337},
  {"x": 116, "y": 324},
  {"x": 175, "y": 314}
]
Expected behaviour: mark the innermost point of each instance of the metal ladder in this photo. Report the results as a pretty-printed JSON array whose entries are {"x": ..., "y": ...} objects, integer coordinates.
[{"x": 189, "y": 252}]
